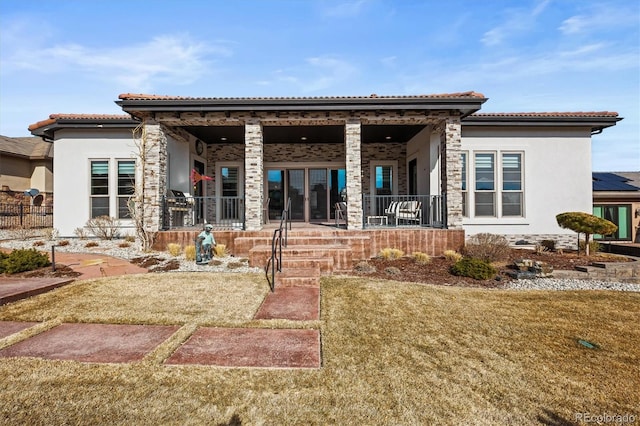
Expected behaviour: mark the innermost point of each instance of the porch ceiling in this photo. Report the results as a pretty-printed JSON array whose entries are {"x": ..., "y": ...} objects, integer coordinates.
[{"x": 304, "y": 134}]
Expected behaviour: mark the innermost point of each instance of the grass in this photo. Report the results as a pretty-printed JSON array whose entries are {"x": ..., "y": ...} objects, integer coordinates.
[{"x": 393, "y": 353}]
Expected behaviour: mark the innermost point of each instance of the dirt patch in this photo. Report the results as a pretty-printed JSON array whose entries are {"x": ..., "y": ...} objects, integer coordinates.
[
  {"x": 437, "y": 270},
  {"x": 62, "y": 271}
]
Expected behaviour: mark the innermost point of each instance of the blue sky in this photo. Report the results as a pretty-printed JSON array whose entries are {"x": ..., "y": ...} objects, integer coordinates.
[{"x": 77, "y": 56}]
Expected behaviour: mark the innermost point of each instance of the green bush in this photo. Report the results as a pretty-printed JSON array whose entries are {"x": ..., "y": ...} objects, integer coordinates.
[
  {"x": 23, "y": 260},
  {"x": 473, "y": 268}
]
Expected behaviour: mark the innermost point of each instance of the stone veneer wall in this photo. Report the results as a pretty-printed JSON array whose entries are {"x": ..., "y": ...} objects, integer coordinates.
[
  {"x": 353, "y": 160},
  {"x": 155, "y": 175},
  {"x": 254, "y": 173},
  {"x": 452, "y": 178},
  {"x": 382, "y": 152},
  {"x": 321, "y": 152},
  {"x": 565, "y": 241}
]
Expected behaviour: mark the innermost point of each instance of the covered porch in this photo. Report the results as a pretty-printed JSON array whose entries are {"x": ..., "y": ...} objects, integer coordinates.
[{"x": 354, "y": 162}]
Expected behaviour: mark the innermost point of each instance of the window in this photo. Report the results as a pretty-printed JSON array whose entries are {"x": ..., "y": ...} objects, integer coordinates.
[
  {"x": 511, "y": 184},
  {"x": 618, "y": 214},
  {"x": 126, "y": 187},
  {"x": 485, "y": 184},
  {"x": 384, "y": 180},
  {"x": 465, "y": 211},
  {"x": 99, "y": 188}
]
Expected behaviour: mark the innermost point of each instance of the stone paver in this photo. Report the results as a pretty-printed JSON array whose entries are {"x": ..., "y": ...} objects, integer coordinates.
[
  {"x": 292, "y": 303},
  {"x": 7, "y": 328},
  {"x": 112, "y": 343},
  {"x": 251, "y": 347},
  {"x": 13, "y": 289}
]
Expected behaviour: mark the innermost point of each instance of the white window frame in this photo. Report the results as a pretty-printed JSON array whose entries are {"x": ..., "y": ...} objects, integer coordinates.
[
  {"x": 117, "y": 184},
  {"x": 493, "y": 191},
  {"x": 394, "y": 178},
  {"x": 464, "y": 158},
  {"x": 508, "y": 191},
  {"x": 106, "y": 196},
  {"x": 218, "y": 182}
]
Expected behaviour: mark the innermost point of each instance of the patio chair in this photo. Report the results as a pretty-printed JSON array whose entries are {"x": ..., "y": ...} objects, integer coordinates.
[
  {"x": 341, "y": 213},
  {"x": 409, "y": 211}
]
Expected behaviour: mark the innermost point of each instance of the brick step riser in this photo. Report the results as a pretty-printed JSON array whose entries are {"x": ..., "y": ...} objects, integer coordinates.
[
  {"x": 297, "y": 282},
  {"x": 341, "y": 259},
  {"x": 358, "y": 245},
  {"x": 324, "y": 265}
]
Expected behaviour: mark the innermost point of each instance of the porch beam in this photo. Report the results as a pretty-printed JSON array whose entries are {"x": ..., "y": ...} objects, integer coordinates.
[
  {"x": 353, "y": 160},
  {"x": 253, "y": 170}
]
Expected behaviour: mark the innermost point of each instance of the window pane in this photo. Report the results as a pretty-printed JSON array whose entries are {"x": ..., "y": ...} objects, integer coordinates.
[
  {"x": 384, "y": 180},
  {"x": 511, "y": 204},
  {"x": 99, "y": 178},
  {"x": 485, "y": 205},
  {"x": 464, "y": 205},
  {"x": 229, "y": 181},
  {"x": 485, "y": 172},
  {"x": 463, "y": 157},
  {"x": 99, "y": 206},
  {"x": 126, "y": 177},
  {"x": 511, "y": 172},
  {"x": 123, "y": 208}
]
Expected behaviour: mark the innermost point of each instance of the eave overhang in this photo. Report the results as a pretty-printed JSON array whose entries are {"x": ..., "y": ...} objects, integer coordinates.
[{"x": 597, "y": 121}]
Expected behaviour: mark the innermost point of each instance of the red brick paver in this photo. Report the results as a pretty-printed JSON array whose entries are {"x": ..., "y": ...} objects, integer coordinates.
[{"x": 292, "y": 303}]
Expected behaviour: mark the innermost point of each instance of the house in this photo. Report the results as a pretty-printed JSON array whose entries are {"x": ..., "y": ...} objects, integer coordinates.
[
  {"x": 421, "y": 163},
  {"x": 26, "y": 164},
  {"x": 616, "y": 197}
]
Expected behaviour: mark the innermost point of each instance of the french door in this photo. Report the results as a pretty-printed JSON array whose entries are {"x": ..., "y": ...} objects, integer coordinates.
[{"x": 313, "y": 190}]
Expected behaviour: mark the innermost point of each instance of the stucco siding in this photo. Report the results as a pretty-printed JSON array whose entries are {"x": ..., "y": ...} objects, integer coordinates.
[
  {"x": 74, "y": 150},
  {"x": 557, "y": 176}
]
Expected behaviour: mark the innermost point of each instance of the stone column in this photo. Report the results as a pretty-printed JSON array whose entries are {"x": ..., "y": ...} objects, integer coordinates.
[
  {"x": 253, "y": 174},
  {"x": 152, "y": 179},
  {"x": 353, "y": 153},
  {"x": 452, "y": 171}
]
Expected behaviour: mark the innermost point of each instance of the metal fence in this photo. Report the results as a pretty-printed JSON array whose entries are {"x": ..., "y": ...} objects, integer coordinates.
[
  {"x": 25, "y": 216},
  {"x": 404, "y": 210},
  {"x": 187, "y": 212}
]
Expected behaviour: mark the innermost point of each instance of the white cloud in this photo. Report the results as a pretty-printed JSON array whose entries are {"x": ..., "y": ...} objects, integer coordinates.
[
  {"x": 344, "y": 9},
  {"x": 601, "y": 17},
  {"x": 319, "y": 74},
  {"x": 518, "y": 21},
  {"x": 174, "y": 59}
]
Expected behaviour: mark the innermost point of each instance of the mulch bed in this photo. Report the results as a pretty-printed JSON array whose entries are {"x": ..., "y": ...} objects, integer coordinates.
[{"x": 437, "y": 270}]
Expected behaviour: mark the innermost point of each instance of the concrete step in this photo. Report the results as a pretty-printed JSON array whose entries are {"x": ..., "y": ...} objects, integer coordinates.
[{"x": 357, "y": 243}]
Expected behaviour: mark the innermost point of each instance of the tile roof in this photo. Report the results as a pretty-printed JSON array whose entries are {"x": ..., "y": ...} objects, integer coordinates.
[
  {"x": 607, "y": 181},
  {"x": 140, "y": 96},
  {"x": 546, "y": 114},
  {"x": 53, "y": 118},
  {"x": 27, "y": 147}
]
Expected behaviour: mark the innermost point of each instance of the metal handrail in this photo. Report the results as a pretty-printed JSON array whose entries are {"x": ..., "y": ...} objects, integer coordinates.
[{"x": 276, "y": 247}]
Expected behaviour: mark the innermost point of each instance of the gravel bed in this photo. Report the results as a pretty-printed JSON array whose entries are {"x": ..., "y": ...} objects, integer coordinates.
[
  {"x": 569, "y": 284},
  {"x": 112, "y": 248}
]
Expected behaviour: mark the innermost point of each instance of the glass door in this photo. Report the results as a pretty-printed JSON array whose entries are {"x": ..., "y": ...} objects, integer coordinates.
[
  {"x": 275, "y": 192},
  {"x": 318, "y": 195},
  {"x": 295, "y": 191}
]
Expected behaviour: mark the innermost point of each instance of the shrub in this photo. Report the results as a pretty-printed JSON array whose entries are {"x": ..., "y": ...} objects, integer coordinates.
[
  {"x": 220, "y": 250},
  {"x": 548, "y": 245},
  {"x": 390, "y": 253},
  {"x": 392, "y": 270},
  {"x": 594, "y": 246},
  {"x": 474, "y": 268},
  {"x": 51, "y": 233},
  {"x": 364, "y": 267},
  {"x": 421, "y": 258},
  {"x": 38, "y": 243},
  {"x": 80, "y": 233},
  {"x": 487, "y": 247},
  {"x": 190, "y": 253},
  {"x": 130, "y": 239},
  {"x": 174, "y": 249},
  {"x": 587, "y": 224},
  {"x": 452, "y": 255},
  {"x": 23, "y": 260},
  {"x": 91, "y": 244},
  {"x": 124, "y": 245},
  {"x": 103, "y": 227},
  {"x": 63, "y": 243}
]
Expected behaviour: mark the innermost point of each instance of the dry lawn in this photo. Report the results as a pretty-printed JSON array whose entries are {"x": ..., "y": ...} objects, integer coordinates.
[{"x": 393, "y": 353}]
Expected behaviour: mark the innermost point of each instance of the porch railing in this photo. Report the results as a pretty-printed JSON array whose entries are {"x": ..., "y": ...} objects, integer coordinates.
[
  {"x": 277, "y": 242},
  {"x": 404, "y": 210},
  {"x": 25, "y": 216},
  {"x": 221, "y": 212}
]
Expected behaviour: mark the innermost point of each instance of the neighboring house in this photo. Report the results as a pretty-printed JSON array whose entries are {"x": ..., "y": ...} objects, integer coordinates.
[
  {"x": 26, "y": 163},
  {"x": 396, "y": 161},
  {"x": 616, "y": 197}
]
